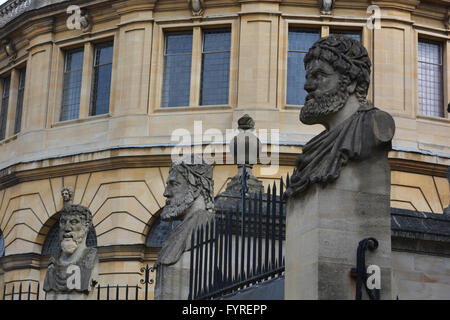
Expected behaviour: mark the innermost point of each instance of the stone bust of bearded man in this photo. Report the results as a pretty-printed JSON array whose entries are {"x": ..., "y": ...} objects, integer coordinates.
[
  {"x": 73, "y": 271},
  {"x": 190, "y": 198},
  {"x": 337, "y": 81}
]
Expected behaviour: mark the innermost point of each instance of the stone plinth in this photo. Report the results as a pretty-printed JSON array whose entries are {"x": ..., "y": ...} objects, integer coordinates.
[
  {"x": 325, "y": 225},
  {"x": 172, "y": 282}
]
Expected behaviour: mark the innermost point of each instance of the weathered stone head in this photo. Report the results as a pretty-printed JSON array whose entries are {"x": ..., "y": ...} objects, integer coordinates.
[
  {"x": 66, "y": 194},
  {"x": 337, "y": 74},
  {"x": 74, "y": 224},
  {"x": 189, "y": 186}
]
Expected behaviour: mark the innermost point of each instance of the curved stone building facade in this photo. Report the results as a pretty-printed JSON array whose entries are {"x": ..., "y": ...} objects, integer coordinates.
[{"x": 92, "y": 96}]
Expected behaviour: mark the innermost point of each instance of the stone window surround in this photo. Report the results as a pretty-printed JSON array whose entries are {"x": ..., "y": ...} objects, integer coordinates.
[
  {"x": 86, "y": 82},
  {"x": 12, "y": 102},
  {"x": 197, "y": 44},
  {"x": 445, "y": 74}
]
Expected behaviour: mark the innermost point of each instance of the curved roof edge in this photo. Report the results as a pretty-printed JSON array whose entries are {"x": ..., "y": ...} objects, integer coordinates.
[{"x": 14, "y": 8}]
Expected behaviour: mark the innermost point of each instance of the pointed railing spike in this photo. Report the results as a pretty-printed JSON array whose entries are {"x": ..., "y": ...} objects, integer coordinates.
[
  {"x": 249, "y": 213},
  {"x": 200, "y": 267},
  {"x": 280, "y": 222},
  {"x": 255, "y": 235},
  {"x": 191, "y": 268},
  {"x": 273, "y": 221},
  {"x": 206, "y": 246},
  {"x": 236, "y": 249}
]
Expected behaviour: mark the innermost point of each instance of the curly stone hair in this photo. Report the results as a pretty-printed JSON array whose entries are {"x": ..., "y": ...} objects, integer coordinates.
[
  {"x": 199, "y": 176},
  {"x": 79, "y": 210},
  {"x": 347, "y": 56}
]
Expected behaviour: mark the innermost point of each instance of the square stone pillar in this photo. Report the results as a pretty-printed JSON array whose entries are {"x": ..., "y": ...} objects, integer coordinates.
[
  {"x": 172, "y": 281},
  {"x": 325, "y": 224}
]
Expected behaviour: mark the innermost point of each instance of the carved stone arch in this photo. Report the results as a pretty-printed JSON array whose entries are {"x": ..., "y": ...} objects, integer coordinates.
[
  {"x": 158, "y": 231},
  {"x": 49, "y": 236}
]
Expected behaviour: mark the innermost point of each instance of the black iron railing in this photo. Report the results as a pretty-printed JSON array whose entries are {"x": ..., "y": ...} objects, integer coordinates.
[
  {"x": 30, "y": 289},
  {"x": 21, "y": 290},
  {"x": 127, "y": 292},
  {"x": 241, "y": 247}
]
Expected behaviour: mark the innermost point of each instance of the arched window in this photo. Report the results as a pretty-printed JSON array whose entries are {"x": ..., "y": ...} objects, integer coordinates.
[
  {"x": 159, "y": 232},
  {"x": 52, "y": 244},
  {"x": 2, "y": 244}
]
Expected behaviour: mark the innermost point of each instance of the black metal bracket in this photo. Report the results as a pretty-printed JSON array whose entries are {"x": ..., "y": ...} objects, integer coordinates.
[
  {"x": 360, "y": 272},
  {"x": 146, "y": 270}
]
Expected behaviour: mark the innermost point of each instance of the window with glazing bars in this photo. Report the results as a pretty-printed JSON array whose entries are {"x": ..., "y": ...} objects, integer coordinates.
[
  {"x": 20, "y": 92},
  {"x": 177, "y": 69},
  {"x": 4, "y": 108},
  {"x": 73, "y": 68},
  {"x": 355, "y": 34},
  {"x": 299, "y": 42},
  {"x": 101, "y": 82},
  {"x": 430, "y": 78},
  {"x": 215, "y": 76}
]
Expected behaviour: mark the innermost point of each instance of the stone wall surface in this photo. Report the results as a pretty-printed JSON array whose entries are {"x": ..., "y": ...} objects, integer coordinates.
[{"x": 420, "y": 276}]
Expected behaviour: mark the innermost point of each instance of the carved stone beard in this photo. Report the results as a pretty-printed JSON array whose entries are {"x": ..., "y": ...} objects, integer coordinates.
[
  {"x": 178, "y": 207},
  {"x": 317, "y": 107},
  {"x": 70, "y": 245}
]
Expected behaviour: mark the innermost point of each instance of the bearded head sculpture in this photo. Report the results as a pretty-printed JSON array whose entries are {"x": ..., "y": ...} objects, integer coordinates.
[
  {"x": 336, "y": 68},
  {"x": 189, "y": 178},
  {"x": 74, "y": 224}
]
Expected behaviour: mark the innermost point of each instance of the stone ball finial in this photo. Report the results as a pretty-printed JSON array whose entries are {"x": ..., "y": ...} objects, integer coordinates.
[
  {"x": 245, "y": 147},
  {"x": 246, "y": 122}
]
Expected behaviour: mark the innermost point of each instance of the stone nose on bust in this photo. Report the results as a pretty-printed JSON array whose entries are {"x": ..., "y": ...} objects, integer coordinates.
[
  {"x": 309, "y": 86},
  {"x": 67, "y": 227},
  {"x": 166, "y": 192}
]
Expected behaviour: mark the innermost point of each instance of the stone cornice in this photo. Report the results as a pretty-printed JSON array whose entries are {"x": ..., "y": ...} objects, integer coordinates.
[
  {"x": 21, "y": 261},
  {"x": 44, "y": 169},
  {"x": 119, "y": 252},
  {"x": 408, "y": 5},
  {"x": 123, "y": 7}
]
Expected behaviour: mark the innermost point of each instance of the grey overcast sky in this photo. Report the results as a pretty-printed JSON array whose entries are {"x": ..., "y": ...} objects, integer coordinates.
[{"x": 2, "y": 1}]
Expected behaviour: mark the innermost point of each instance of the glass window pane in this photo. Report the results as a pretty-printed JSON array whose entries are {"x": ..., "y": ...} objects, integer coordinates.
[
  {"x": 180, "y": 42},
  {"x": 215, "y": 67},
  {"x": 216, "y": 40},
  {"x": 103, "y": 53},
  {"x": 4, "y": 107},
  {"x": 300, "y": 40},
  {"x": 2, "y": 244},
  {"x": 21, "y": 90},
  {"x": 74, "y": 60},
  {"x": 101, "y": 84},
  {"x": 72, "y": 85},
  {"x": 430, "y": 78},
  {"x": 296, "y": 73},
  {"x": 177, "y": 69},
  {"x": 349, "y": 33}
]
